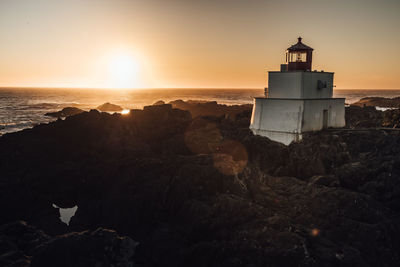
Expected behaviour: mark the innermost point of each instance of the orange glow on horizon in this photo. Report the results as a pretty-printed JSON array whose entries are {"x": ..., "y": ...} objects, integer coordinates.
[{"x": 192, "y": 44}]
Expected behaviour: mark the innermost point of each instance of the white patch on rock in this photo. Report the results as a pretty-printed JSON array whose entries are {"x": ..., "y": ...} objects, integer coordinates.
[{"x": 66, "y": 214}]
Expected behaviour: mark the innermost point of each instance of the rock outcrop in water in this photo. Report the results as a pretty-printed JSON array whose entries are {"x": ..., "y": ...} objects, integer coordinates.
[
  {"x": 65, "y": 112},
  {"x": 108, "y": 107},
  {"x": 204, "y": 191}
]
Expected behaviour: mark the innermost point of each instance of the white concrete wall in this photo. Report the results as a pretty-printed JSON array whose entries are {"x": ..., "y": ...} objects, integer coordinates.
[
  {"x": 284, "y": 84},
  {"x": 281, "y": 137},
  {"x": 313, "y": 113},
  {"x": 283, "y": 120},
  {"x": 282, "y": 115},
  {"x": 299, "y": 84},
  {"x": 310, "y": 85},
  {"x": 278, "y": 119}
]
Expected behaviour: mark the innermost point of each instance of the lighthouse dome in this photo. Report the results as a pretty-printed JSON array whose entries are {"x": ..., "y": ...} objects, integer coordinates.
[{"x": 299, "y": 46}]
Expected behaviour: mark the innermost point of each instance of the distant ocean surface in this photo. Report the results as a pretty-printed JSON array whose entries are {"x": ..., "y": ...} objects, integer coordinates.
[{"x": 22, "y": 108}]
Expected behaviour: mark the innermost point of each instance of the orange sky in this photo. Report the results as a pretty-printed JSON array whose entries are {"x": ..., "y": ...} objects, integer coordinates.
[{"x": 183, "y": 43}]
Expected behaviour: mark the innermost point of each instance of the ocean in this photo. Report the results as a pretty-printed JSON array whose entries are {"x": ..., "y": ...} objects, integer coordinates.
[{"x": 22, "y": 108}]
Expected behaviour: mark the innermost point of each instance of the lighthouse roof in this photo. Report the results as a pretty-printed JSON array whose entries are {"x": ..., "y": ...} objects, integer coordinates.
[{"x": 299, "y": 46}]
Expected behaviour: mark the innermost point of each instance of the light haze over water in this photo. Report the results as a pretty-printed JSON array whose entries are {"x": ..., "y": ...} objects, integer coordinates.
[{"x": 25, "y": 107}]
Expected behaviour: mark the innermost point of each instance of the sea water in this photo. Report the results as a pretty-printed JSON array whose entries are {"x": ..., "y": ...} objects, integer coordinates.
[{"x": 22, "y": 108}]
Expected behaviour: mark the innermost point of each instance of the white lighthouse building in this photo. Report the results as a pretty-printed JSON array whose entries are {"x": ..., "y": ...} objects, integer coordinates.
[{"x": 298, "y": 100}]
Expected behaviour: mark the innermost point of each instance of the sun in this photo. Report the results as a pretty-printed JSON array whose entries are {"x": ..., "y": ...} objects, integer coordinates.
[{"x": 124, "y": 71}]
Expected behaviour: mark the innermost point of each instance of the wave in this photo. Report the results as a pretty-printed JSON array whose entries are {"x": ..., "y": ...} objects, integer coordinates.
[
  {"x": 40, "y": 106},
  {"x": 50, "y": 102},
  {"x": 18, "y": 126}
]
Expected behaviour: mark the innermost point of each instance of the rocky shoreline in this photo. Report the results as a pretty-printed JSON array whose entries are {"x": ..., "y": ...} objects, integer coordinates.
[
  {"x": 383, "y": 102},
  {"x": 188, "y": 184}
]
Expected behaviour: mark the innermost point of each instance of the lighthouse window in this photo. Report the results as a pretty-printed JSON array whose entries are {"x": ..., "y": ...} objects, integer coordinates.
[{"x": 298, "y": 57}]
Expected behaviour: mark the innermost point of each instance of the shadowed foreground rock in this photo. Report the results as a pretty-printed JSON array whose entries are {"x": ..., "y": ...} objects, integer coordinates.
[
  {"x": 361, "y": 117},
  {"x": 24, "y": 245},
  {"x": 391, "y": 118},
  {"x": 369, "y": 116},
  {"x": 205, "y": 191}
]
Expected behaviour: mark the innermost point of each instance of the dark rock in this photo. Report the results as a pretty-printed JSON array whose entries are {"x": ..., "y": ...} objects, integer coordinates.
[
  {"x": 391, "y": 118},
  {"x": 108, "y": 107},
  {"x": 361, "y": 117},
  {"x": 369, "y": 117},
  {"x": 327, "y": 180},
  {"x": 207, "y": 108},
  {"x": 203, "y": 191},
  {"x": 158, "y": 108},
  {"x": 24, "y": 245},
  {"x": 352, "y": 175},
  {"x": 18, "y": 242},
  {"x": 90, "y": 248},
  {"x": 159, "y": 102},
  {"x": 65, "y": 112}
]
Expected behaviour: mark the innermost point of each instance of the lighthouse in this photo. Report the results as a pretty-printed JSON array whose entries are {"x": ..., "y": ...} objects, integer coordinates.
[{"x": 298, "y": 100}]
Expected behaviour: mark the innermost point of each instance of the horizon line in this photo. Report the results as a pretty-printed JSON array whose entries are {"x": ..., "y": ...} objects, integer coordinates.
[{"x": 161, "y": 88}]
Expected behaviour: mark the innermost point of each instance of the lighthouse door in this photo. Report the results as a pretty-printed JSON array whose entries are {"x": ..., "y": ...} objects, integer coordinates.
[{"x": 325, "y": 119}]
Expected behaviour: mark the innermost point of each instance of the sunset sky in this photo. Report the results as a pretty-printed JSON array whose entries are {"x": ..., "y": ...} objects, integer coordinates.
[{"x": 201, "y": 44}]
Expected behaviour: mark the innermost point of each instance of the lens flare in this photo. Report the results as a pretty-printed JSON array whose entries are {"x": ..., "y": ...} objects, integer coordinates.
[
  {"x": 229, "y": 156},
  {"x": 315, "y": 232}
]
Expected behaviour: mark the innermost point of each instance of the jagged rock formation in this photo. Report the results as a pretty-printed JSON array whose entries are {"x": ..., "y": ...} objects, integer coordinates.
[
  {"x": 206, "y": 108},
  {"x": 204, "y": 191}
]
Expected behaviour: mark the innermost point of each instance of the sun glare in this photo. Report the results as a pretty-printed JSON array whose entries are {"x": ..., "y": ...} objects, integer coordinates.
[
  {"x": 124, "y": 70},
  {"x": 125, "y": 111}
]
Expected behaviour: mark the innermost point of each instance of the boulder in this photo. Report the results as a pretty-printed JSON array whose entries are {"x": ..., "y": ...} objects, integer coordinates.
[
  {"x": 108, "y": 107},
  {"x": 352, "y": 175},
  {"x": 159, "y": 102}
]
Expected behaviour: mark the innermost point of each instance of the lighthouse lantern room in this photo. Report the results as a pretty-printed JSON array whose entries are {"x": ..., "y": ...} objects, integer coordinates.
[
  {"x": 299, "y": 100},
  {"x": 299, "y": 57}
]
